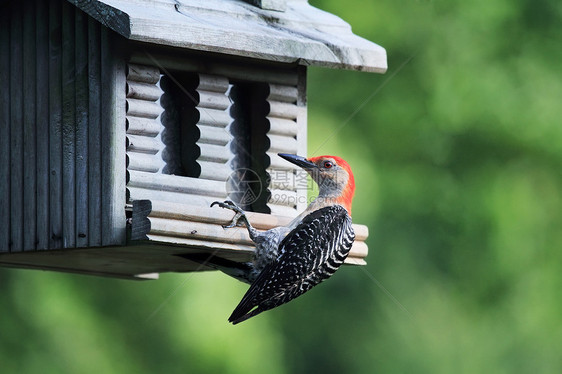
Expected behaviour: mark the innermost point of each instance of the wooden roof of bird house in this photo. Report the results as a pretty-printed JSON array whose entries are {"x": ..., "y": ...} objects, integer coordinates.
[{"x": 295, "y": 33}]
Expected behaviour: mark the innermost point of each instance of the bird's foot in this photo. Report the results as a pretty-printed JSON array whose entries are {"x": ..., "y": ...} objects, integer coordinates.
[{"x": 238, "y": 217}]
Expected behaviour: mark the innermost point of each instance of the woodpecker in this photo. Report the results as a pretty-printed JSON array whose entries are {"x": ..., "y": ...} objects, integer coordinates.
[{"x": 290, "y": 260}]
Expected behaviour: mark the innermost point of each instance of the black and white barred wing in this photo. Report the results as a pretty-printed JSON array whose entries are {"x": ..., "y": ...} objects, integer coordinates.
[{"x": 309, "y": 254}]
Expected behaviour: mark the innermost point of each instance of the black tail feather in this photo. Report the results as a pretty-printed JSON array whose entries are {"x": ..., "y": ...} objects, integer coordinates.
[{"x": 235, "y": 318}]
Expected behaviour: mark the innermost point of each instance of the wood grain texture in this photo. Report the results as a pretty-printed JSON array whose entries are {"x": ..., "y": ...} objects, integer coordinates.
[
  {"x": 174, "y": 183},
  {"x": 216, "y": 118},
  {"x": 281, "y": 126},
  {"x": 68, "y": 127},
  {"x": 55, "y": 126},
  {"x": 186, "y": 225},
  {"x": 5, "y": 195},
  {"x": 81, "y": 90},
  {"x": 107, "y": 15},
  {"x": 215, "y": 171},
  {"x": 301, "y": 34},
  {"x": 172, "y": 196},
  {"x": 215, "y": 153},
  {"x": 213, "y": 135},
  {"x": 117, "y": 262},
  {"x": 29, "y": 132},
  {"x": 283, "y": 144},
  {"x": 140, "y": 226},
  {"x": 216, "y": 65},
  {"x": 205, "y": 214},
  {"x": 142, "y": 126},
  {"x": 94, "y": 134},
  {"x": 143, "y": 144},
  {"x": 142, "y": 161},
  {"x": 16, "y": 131},
  {"x": 42, "y": 123},
  {"x": 143, "y": 91},
  {"x": 143, "y": 108},
  {"x": 52, "y": 140},
  {"x": 113, "y": 176},
  {"x": 278, "y": 5},
  {"x": 287, "y": 196},
  {"x": 302, "y": 131},
  {"x": 143, "y": 73}
]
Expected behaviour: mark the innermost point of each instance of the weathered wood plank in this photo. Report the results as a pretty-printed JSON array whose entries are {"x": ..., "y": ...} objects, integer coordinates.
[
  {"x": 143, "y": 144},
  {"x": 68, "y": 127},
  {"x": 144, "y": 162},
  {"x": 215, "y": 153},
  {"x": 213, "y": 100},
  {"x": 282, "y": 144},
  {"x": 143, "y": 73},
  {"x": 302, "y": 134},
  {"x": 113, "y": 140},
  {"x": 174, "y": 183},
  {"x": 29, "y": 133},
  {"x": 42, "y": 123},
  {"x": 278, "y": 5},
  {"x": 143, "y": 91},
  {"x": 81, "y": 119},
  {"x": 143, "y": 126},
  {"x": 282, "y": 126},
  {"x": 248, "y": 71},
  {"x": 214, "y": 117},
  {"x": 55, "y": 131},
  {"x": 187, "y": 225},
  {"x": 216, "y": 215},
  {"x": 198, "y": 230},
  {"x": 277, "y": 163},
  {"x": 283, "y": 110},
  {"x": 5, "y": 196},
  {"x": 239, "y": 251},
  {"x": 94, "y": 134},
  {"x": 278, "y": 92},
  {"x": 213, "y": 135},
  {"x": 16, "y": 132},
  {"x": 174, "y": 197},
  {"x": 140, "y": 222},
  {"x": 214, "y": 171},
  {"x": 214, "y": 83},
  {"x": 308, "y": 36},
  {"x": 143, "y": 108}
]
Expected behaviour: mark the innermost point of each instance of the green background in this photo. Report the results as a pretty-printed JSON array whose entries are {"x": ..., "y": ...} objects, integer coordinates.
[{"x": 457, "y": 152}]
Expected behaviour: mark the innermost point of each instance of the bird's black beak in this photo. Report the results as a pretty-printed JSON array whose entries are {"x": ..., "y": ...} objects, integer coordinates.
[{"x": 299, "y": 161}]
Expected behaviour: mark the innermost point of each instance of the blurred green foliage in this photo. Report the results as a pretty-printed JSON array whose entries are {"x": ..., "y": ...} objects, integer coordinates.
[{"x": 457, "y": 152}]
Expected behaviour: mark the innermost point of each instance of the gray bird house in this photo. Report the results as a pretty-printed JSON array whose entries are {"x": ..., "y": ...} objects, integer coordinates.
[{"x": 122, "y": 120}]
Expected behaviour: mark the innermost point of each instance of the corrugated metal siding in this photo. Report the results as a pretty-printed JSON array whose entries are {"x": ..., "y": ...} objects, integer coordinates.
[{"x": 59, "y": 114}]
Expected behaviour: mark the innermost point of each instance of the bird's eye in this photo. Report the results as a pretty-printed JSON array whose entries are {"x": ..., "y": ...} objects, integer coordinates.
[{"x": 328, "y": 164}]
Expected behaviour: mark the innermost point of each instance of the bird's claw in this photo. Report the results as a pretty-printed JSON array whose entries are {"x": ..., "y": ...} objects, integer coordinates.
[{"x": 228, "y": 204}]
